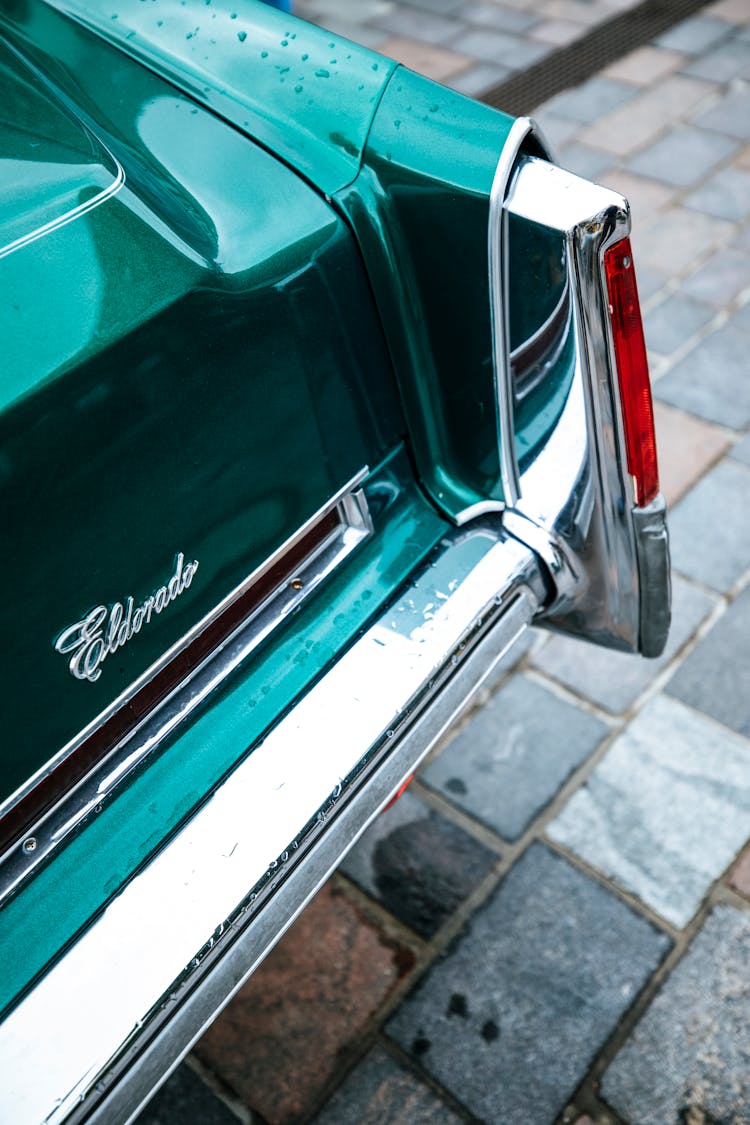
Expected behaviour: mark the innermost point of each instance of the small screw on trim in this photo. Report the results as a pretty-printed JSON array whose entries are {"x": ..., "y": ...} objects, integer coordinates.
[
  {"x": 296, "y": 583},
  {"x": 29, "y": 845}
]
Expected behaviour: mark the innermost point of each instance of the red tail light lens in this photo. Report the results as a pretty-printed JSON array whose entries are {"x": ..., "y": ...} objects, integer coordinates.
[{"x": 632, "y": 370}]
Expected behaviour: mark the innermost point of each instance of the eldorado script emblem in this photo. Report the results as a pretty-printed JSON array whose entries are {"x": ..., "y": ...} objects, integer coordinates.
[{"x": 103, "y": 630}]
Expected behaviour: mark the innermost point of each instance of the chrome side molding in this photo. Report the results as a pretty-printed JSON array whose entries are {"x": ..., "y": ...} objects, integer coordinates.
[
  {"x": 608, "y": 562},
  {"x": 225, "y": 888},
  {"x": 263, "y": 600}
]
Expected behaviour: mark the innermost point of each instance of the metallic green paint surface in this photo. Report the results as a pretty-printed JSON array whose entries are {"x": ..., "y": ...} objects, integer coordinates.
[
  {"x": 49, "y": 164},
  {"x": 42, "y": 918},
  {"x": 304, "y": 93},
  {"x": 211, "y": 369},
  {"x": 192, "y": 366},
  {"x": 420, "y": 210}
]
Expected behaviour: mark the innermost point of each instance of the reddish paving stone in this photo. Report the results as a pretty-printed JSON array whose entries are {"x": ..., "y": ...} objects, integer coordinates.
[
  {"x": 687, "y": 448},
  {"x": 437, "y": 63},
  {"x": 739, "y": 877},
  {"x": 281, "y": 1039}
]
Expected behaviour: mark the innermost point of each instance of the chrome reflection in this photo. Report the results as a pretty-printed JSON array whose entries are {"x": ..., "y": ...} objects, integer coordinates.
[
  {"x": 228, "y": 884},
  {"x": 577, "y": 501},
  {"x": 497, "y": 251}
]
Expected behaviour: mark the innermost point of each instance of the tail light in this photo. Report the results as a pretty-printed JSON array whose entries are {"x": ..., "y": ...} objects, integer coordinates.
[{"x": 632, "y": 371}]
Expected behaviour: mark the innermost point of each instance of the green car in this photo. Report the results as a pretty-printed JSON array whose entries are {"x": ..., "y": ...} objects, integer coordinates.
[{"x": 320, "y": 383}]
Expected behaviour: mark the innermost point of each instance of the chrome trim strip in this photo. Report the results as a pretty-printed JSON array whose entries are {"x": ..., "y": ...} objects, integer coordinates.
[
  {"x": 88, "y": 796},
  {"x": 577, "y": 505},
  {"x": 178, "y": 647},
  {"x": 553, "y": 327},
  {"x": 82, "y": 208},
  {"x": 223, "y": 889},
  {"x": 497, "y": 252},
  {"x": 74, "y": 213}
]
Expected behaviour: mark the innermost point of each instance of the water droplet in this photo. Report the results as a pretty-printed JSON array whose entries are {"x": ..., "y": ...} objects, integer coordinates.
[
  {"x": 233, "y": 16},
  {"x": 264, "y": 54},
  {"x": 305, "y": 57},
  {"x": 321, "y": 73},
  {"x": 242, "y": 36},
  {"x": 284, "y": 42},
  {"x": 389, "y": 734},
  {"x": 374, "y": 66},
  {"x": 434, "y": 108},
  {"x": 298, "y": 89}
]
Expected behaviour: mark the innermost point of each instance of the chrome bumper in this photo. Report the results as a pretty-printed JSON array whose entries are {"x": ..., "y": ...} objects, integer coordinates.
[
  {"x": 222, "y": 892},
  {"x": 573, "y": 550},
  {"x": 607, "y": 559}
]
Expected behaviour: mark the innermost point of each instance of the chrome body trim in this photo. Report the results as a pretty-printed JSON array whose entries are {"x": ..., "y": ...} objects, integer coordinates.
[
  {"x": 526, "y": 371},
  {"x": 577, "y": 503},
  {"x": 497, "y": 254},
  {"x": 118, "y": 182},
  {"x": 221, "y": 892},
  {"x": 88, "y": 797}
]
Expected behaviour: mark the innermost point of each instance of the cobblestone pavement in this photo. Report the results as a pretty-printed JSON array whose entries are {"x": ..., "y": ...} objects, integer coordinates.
[{"x": 554, "y": 923}]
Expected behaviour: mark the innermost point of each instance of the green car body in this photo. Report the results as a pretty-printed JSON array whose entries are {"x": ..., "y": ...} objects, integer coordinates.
[{"x": 247, "y": 318}]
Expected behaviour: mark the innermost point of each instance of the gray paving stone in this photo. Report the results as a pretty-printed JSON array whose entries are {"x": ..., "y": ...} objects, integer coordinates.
[
  {"x": 721, "y": 278},
  {"x": 418, "y": 864},
  {"x": 584, "y": 160},
  {"x": 478, "y": 78},
  {"x": 694, "y": 35},
  {"x": 712, "y": 380},
  {"x": 683, "y": 156},
  {"x": 592, "y": 99},
  {"x": 442, "y": 7},
  {"x": 184, "y": 1097},
  {"x": 741, "y": 451},
  {"x": 614, "y": 680},
  {"x": 709, "y": 529},
  {"x": 415, "y": 23},
  {"x": 669, "y": 325},
  {"x": 501, "y": 19},
  {"x": 650, "y": 281},
  {"x": 500, "y": 47},
  {"x": 360, "y": 33},
  {"x": 665, "y": 811},
  {"x": 689, "y": 1057},
  {"x": 557, "y": 130},
  {"x": 511, "y": 1019},
  {"x": 731, "y": 115},
  {"x": 727, "y": 194},
  {"x": 510, "y": 759},
  {"x": 715, "y": 678},
  {"x": 380, "y": 1092},
  {"x": 727, "y": 61}
]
